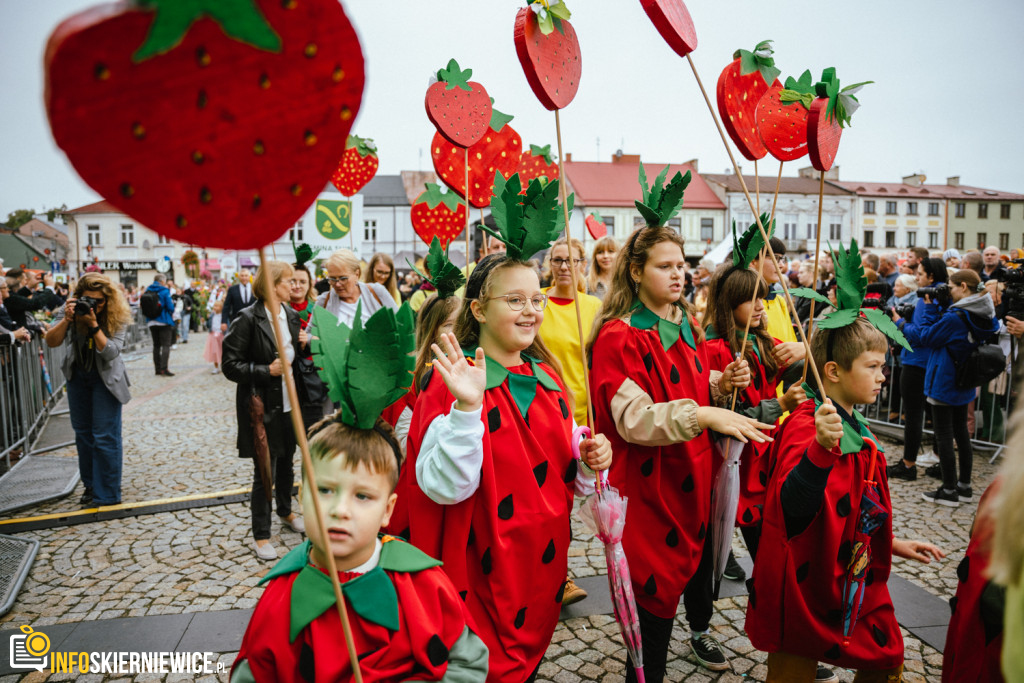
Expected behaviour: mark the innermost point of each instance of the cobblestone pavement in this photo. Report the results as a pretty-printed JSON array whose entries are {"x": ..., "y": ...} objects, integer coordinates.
[{"x": 179, "y": 440}]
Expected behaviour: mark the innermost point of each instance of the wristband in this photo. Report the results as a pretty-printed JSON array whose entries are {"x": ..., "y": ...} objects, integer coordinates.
[{"x": 93, "y": 331}]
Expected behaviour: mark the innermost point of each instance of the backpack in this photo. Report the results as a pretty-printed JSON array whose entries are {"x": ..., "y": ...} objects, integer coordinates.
[
  {"x": 150, "y": 304},
  {"x": 986, "y": 362}
]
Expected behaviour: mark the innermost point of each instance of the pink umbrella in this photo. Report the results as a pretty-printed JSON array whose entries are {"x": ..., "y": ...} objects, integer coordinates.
[{"x": 604, "y": 514}]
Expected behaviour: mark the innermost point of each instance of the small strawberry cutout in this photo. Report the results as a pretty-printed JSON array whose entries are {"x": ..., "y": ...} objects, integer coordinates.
[
  {"x": 782, "y": 116},
  {"x": 595, "y": 226},
  {"x": 551, "y": 61},
  {"x": 458, "y": 107},
  {"x": 673, "y": 22},
  {"x": 437, "y": 214},
  {"x": 358, "y": 166},
  {"x": 830, "y": 113},
  {"x": 536, "y": 163},
  {"x": 740, "y": 87}
]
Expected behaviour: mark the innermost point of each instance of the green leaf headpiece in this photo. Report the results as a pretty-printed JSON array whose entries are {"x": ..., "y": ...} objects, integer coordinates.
[
  {"x": 530, "y": 222},
  {"x": 749, "y": 245},
  {"x": 446, "y": 277},
  {"x": 661, "y": 202},
  {"x": 303, "y": 252}
]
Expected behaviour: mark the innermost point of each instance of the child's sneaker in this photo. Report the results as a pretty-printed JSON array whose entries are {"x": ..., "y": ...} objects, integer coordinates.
[
  {"x": 708, "y": 652},
  {"x": 928, "y": 458},
  {"x": 733, "y": 570},
  {"x": 941, "y": 496},
  {"x": 572, "y": 593},
  {"x": 934, "y": 471},
  {"x": 964, "y": 492},
  {"x": 825, "y": 675},
  {"x": 900, "y": 471}
]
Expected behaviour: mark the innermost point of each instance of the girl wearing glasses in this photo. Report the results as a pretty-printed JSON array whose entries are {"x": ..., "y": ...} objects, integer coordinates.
[
  {"x": 494, "y": 475},
  {"x": 382, "y": 271}
]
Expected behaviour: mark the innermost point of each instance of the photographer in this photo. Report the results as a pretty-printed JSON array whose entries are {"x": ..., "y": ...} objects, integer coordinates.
[
  {"x": 93, "y": 325},
  {"x": 903, "y": 302},
  {"x": 10, "y": 331},
  {"x": 930, "y": 273},
  {"x": 959, "y": 319}
]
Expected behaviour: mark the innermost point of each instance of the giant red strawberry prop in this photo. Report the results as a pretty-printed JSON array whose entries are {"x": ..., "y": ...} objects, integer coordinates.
[
  {"x": 673, "y": 22},
  {"x": 782, "y": 117},
  {"x": 830, "y": 113},
  {"x": 214, "y": 122},
  {"x": 536, "y": 163},
  {"x": 549, "y": 52},
  {"x": 458, "y": 107},
  {"x": 596, "y": 226},
  {"x": 498, "y": 151},
  {"x": 438, "y": 214},
  {"x": 740, "y": 87},
  {"x": 358, "y": 166}
]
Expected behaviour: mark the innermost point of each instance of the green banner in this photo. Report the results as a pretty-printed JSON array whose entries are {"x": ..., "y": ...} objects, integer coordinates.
[{"x": 333, "y": 218}]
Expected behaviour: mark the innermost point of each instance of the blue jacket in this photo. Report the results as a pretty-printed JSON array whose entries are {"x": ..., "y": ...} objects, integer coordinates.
[
  {"x": 952, "y": 336},
  {"x": 920, "y": 355},
  {"x": 166, "y": 316}
]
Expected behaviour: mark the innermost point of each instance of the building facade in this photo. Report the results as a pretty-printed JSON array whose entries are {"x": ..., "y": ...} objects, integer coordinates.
[{"x": 980, "y": 218}]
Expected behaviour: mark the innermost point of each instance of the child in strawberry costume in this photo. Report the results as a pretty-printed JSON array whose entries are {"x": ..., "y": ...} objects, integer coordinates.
[
  {"x": 653, "y": 390},
  {"x": 408, "y": 622},
  {"x": 490, "y": 449},
  {"x": 819, "y": 590}
]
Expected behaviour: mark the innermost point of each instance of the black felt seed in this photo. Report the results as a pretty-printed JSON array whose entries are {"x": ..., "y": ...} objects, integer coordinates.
[
  {"x": 688, "y": 483},
  {"x": 843, "y": 506},
  {"x": 834, "y": 616},
  {"x": 747, "y": 517},
  {"x": 845, "y": 553},
  {"x": 952, "y": 605},
  {"x": 700, "y": 368},
  {"x": 651, "y": 586},
  {"x": 647, "y": 467},
  {"x": 832, "y": 652},
  {"x": 802, "y": 571},
  {"x": 564, "y": 407},
  {"x": 472, "y": 537},
  {"x": 756, "y": 381},
  {"x": 963, "y": 570},
  {"x": 648, "y": 361},
  {"x": 561, "y": 592},
  {"x": 506, "y": 507},
  {"x": 879, "y": 636},
  {"x": 437, "y": 652},
  {"x": 672, "y": 540},
  {"x": 549, "y": 552},
  {"x": 485, "y": 562},
  {"x": 674, "y": 375},
  {"x": 762, "y": 477},
  {"x": 570, "y": 472},
  {"x": 404, "y": 533},
  {"x": 869, "y": 578},
  {"x": 751, "y": 593},
  {"x": 993, "y": 602},
  {"x": 702, "y": 532},
  {"x": 462, "y": 594},
  {"x": 306, "y": 666},
  {"x": 540, "y": 473},
  {"x": 520, "y": 618},
  {"x": 493, "y": 420}
]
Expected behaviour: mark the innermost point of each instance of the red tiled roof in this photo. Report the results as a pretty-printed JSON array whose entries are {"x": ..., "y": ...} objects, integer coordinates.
[
  {"x": 787, "y": 185},
  {"x": 599, "y": 183},
  {"x": 96, "y": 207},
  {"x": 897, "y": 190}
]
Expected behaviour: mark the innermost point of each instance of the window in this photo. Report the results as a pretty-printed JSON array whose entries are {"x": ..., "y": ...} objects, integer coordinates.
[
  {"x": 982, "y": 239},
  {"x": 92, "y": 235},
  {"x": 163, "y": 239},
  {"x": 890, "y": 208},
  {"x": 933, "y": 208},
  {"x": 1004, "y": 210},
  {"x": 890, "y": 239},
  {"x": 869, "y": 238},
  {"x": 370, "y": 230},
  {"x": 638, "y": 222},
  {"x": 610, "y": 222},
  {"x": 911, "y": 239},
  {"x": 958, "y": 240},
  {"x": 1004, "y": 241},
  {"x": 961, "y": 209},
  {"x": 789, "y": 231},
  {"x": 835, "y": 231},
  {"x": 812, "y": 228},
  {"x": 911, "y": 208},
  {"x": 982, "y": 210},
  {"x": 676, "y": 223},
  {"x": 295, "y": 234},
  {"x": 127, "y": 235},
  {"x": 933, "y": 240},
  {"x": 869, "y": 206},
  {"x": 707, "y": 229}
]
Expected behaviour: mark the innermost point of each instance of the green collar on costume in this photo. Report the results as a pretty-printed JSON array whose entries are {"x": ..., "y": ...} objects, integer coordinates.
[
  {"x": 644, "y": 318},
  {"x": 711, "y": 333},
  {"x": 522, "y": 387},
  {"x": 853, "y": 435},
  {"x": 371, "y": 595}
]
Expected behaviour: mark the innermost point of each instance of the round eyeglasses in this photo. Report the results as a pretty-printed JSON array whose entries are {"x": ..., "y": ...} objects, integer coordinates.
[{"x": 517, "y": 302}]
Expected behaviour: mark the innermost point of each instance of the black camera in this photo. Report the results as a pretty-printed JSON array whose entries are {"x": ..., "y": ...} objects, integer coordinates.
[
  {"x": 940, "y": 293},
  {"x": 1013, "y": 294},
  {"x": 86, "y": 305},
  {"x": 905, "y": 311}
]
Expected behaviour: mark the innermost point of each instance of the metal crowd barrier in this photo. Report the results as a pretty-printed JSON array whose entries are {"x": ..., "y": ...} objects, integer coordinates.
[
  {"x": 31, "y": 384},
  {"x": 993, "y": 404}
]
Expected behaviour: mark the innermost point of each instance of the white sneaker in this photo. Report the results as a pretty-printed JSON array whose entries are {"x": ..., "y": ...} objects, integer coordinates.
[
  {"x": 928, "y": 458},
  {"x": 267, "y": 551},
  {"x": 215, "y": 371},
  {"x": 173, "y": 347}
]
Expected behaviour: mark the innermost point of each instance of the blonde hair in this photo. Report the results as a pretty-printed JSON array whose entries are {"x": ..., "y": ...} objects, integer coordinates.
[
  {"x": 429, "y": 319},
  {"x": 278, "y": 270},
  {"x": 369, "y": 277},
  {"x": 1007, "y": 561},
  {"x": 606, "y": 243},
  {"x": 116, "y": 314},
  {"x": 548, "y": 272},
  {"x": 344, "y": 258}
]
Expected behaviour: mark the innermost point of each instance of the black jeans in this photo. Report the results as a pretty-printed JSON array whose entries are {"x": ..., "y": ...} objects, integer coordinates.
[
  {"x": 281, "y": 438},
  {"x": 163, "y": 336},
  {"x": 951, "y": 423},
  {"x": 912, "y": 392}
]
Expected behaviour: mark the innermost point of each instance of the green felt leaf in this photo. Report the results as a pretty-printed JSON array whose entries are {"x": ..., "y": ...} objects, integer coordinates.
[
  {"x": 379, "y": 366},
  {"x": 804, "y": 85},
  {"x": 498, "y": 119},
  {"x": 851, "y": 283},
  {"x": 836, "y": 319},
  {"x": 644, "y": 190},
  {"x": 542, "y": 152},
  {"x": 886, "y": 326},
  {"x": 455, "y": 77},
  {"x": 545, "y": 22},
  {"x": 364, "y": 146},
  {"x": 661, "y": 202},
  {"x": 329, "y": 346},
  {"x": 558, "y": 25},
  {"x": 748, "y": 63},
  {"x": 672, "y": 197},
  {"x": 841, "y": 101},
  {"x": 434, "y": 196},
  {"x": 791, "y": 96},
  {"x": 240, "y": 20},
  {"x": 446, "y": 277},
  {"x": 808, "y": 293},
  {"x": 652, "y": 217},
  {"x": 748, "y": 247},
  {"x": 303, "y": 252},
  {"x": 760, "y": 59},
  {"x": 559, "y": 10},
  {"x": 527, "y": 223}
]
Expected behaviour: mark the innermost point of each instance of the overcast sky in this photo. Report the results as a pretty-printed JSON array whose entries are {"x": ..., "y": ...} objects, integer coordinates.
[{"x": 945, "y": 84}]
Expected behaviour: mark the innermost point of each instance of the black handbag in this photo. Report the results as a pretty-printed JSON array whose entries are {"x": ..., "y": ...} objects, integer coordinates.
[{"x": 984, "y": 364}]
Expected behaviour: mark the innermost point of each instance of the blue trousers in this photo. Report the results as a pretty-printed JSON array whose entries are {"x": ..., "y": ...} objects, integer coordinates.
[{"x": 96, "y": 419}]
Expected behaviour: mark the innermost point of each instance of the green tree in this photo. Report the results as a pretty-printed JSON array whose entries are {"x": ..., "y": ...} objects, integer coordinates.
[{"x": 18, "y": 218}]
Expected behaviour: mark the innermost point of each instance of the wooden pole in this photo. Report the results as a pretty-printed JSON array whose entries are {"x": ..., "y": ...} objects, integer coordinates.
[
  {"x": 469, "y": 221},
  {"x": 760, "y": 227},
  {"x": 307, "y": 468},
  {"x": 757, "y": 188},
  {"x": 817, "y": 250}
]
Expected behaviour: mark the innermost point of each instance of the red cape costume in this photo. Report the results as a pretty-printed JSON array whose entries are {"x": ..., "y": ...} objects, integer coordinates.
[
  {"x": 796, "y": 604},
  {"x": 974, "y": 641},
  {"x": 405, "y": 617},
  {"x": 505, "y": 548},
  {"x": 754, "y": 461},
  {"x": 398, "y": 525},
  {"x": 669, "y": 487}
]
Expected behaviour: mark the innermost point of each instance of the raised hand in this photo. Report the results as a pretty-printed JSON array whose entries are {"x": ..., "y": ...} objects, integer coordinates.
[
  {"x": 916, "y": 550},
  {"x": 732, "y": 424},
  {"x": 466, "y": 381}
]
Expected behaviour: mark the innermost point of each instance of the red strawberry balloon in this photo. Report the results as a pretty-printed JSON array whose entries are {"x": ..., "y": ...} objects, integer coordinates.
[
  {"x": 499, "y": 151},
  {"x": 740, "y": 87},
  {"x": 782, "y": 117},
  {"x": 673, "y": 22},
  {"x": 549, "y": 52},
  {"x": 536, "y": 163},
  {"x": 830, "y": 113},
  {"x": 595, "y": 226},
  {"x": 438, "y": 214},
  {"x": 458, "y": 107},
  {"x": 358, "y": 166},
  {"x": 214, "y": 122}
]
